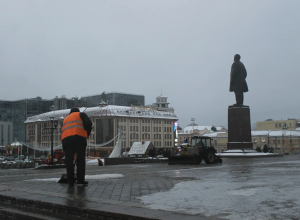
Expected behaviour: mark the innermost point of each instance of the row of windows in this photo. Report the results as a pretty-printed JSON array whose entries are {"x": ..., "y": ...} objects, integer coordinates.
[
  {"x": 31, "y": 126},
  {"x": 284, "y": 125},
  {"x": 145, "y": 121},
  {"x": 157, "y": 129},
  {"x": 146, "y": 136},
  {"x": 146, "y": 128},
  {"x": 31, "y": 132},
  {"x": 134, "y": 136},
  {"x": 157, "y": 136},
  {"x": 168, "y": 143}
]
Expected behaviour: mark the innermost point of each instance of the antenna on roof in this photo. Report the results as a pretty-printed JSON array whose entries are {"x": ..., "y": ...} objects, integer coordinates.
[{"x": 161, "y": 90}]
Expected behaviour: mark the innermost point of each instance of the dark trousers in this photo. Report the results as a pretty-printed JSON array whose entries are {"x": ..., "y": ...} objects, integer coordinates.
[
  {"x": 239, "y": 97},
  {"x": 70, "y": 150}
]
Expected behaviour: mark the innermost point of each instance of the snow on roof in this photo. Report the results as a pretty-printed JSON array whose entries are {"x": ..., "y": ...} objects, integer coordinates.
[
  {"x": 200, "y": 128},
  {"x": 276, "y": 133},
  {"x": 15, "y": 143},
  {"x": 213, "y": 134},
  {"x": 110, "y": 110},
  {"x": 139, "y": 147}
]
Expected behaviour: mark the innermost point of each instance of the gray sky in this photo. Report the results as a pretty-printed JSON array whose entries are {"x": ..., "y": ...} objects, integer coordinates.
[{"x": 54, "y": 48}]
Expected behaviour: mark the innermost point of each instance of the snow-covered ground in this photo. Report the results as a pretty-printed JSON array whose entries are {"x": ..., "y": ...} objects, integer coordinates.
[{"x": 238, "y": 192}]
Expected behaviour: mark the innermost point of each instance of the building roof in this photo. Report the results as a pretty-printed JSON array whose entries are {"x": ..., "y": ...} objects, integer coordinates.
[
  {"x": 106, "y": 111},
  {"x": 139, "y": 147},
  {"x": 276, "y": 133},
  {"x": 189, "y": 129},
  {"x": 213, "y": 134}
]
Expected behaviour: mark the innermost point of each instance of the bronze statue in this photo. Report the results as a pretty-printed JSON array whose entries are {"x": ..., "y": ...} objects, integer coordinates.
[{"x": 238, "y": 83}]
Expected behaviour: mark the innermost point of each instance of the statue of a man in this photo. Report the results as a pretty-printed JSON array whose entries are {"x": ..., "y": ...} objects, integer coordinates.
[{"x": 238, "y": 83}]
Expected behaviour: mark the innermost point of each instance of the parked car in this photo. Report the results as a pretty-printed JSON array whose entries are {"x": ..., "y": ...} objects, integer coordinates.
[
  {"x": 1, "y": 158},
  {"x": 159, "y": 156},
  {"x": 10, "y": 158},
  {"x": 40, "y": 159}
]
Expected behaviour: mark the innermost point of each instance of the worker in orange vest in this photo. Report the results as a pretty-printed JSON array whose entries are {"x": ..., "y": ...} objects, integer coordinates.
[{"x": 77, "y": 127}]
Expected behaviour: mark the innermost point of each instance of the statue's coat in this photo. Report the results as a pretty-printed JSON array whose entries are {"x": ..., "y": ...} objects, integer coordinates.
[{"x": 238, "y": 78}]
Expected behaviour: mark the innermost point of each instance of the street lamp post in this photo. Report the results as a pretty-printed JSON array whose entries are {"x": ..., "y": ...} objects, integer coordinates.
[
  {"x": 193, "y": 119},
  {"x": 2, "y": 146},
  {"x": 53, "y": 126}
]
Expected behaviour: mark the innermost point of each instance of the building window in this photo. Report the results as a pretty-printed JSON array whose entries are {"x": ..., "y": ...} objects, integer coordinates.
[
  {"x": 278, "y": 141},
  {"x": 280, "y": 125},
  {"x": 276, "y": 125}
]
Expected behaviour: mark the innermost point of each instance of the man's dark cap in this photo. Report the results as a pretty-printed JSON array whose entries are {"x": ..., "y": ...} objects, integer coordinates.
[
  {"x": 237, "y": 57},
  {"x": 74, "y": 110}
]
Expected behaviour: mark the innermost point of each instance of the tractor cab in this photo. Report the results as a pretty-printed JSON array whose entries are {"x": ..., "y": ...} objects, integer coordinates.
[{"x": 201, "y": 142}]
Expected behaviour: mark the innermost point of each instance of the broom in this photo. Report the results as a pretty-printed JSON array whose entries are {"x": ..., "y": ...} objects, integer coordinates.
[{"x": 64, "y": 177}]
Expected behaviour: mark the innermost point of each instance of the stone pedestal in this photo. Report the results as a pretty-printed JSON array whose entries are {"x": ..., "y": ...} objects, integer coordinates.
[{"x": 239, "y": 128}]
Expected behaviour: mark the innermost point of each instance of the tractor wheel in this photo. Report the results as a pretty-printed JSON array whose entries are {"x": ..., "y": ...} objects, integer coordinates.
[
  {"x": 220, "y": 160},
  {"x": 170, "y": 162},
  {"x": 196, "y": 160},
  {"x": 210, "y": 157}
]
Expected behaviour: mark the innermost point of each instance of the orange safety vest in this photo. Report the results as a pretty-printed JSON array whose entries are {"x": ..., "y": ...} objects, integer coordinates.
[{"x": 73, "y": 125}]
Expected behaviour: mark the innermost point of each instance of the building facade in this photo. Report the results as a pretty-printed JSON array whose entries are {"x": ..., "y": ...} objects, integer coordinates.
[
  {"x": 269, "y": 124},
  {"x": 18, "y": 111},
  {"x": 114, "y": 98},
  {"x": 135, "y": 124},
  {"x": 282, "y": 141}
]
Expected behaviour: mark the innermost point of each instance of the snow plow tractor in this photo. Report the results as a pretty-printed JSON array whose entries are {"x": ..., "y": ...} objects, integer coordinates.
[{"x": 199, "y": 149}]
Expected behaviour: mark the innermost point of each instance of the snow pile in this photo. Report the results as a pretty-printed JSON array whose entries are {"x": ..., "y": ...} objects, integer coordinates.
[
  {"x": 93, "y": 161},
  {"x": 245, "y": 154},
  {"x": 87, "y": 177}
]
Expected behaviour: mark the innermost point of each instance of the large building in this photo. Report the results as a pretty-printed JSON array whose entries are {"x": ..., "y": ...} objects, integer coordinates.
[
  {"x": 114, "y": 98},
  {"x": 269, "y": 124},
  {"x": 18, "y": 111},
  {"x": 135, "y": 123}
]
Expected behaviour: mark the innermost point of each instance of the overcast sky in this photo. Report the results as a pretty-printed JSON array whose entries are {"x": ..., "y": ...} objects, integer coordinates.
[{"x": 79, "y": 48}]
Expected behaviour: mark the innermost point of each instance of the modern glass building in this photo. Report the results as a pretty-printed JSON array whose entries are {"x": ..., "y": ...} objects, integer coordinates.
[{"x": 114, "y": 98}]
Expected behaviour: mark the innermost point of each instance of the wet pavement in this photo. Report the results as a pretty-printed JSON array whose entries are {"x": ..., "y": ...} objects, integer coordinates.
[{"x": 258, "y": 188}]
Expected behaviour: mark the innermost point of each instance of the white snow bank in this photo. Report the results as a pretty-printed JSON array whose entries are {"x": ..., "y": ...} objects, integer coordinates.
[
  {"x": 93, "y": 161},
  {"x": 87, "y": 177},
  {"x": 245, "y": 154}
]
